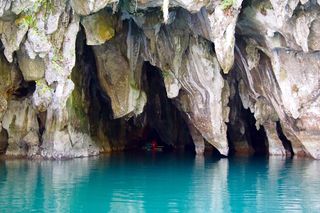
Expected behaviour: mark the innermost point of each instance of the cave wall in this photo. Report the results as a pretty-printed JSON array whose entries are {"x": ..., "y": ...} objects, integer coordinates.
[{"x": 72, "y": 75}]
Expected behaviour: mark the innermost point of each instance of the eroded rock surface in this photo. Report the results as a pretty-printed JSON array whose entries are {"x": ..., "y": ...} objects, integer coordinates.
[
  {"x": 282, "y": 67},
  {"x": 58, "y": 102},
  {"x": 20, "y": 122}
]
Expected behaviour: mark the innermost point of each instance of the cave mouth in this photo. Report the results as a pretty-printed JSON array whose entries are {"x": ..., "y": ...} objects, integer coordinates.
[
  {"x": 3, "y": 141},
  {"x": 160, "y": 122},
  {"x": 26, "y": 89},
  {"x": 242, "y": 134},
  {"x": 151, "y": 141},
  {"x": 164, "y": 126},
  {"x": 257, "y": 138},
  {"x": 285, "y": 142}
]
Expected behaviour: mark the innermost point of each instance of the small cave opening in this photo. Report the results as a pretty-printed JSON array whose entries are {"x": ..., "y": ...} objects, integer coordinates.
[
  {"x": 3, "y": 141},
  {"x": 41, "y": 118},
  {"x": 152, "y": 141},
  {"x": 244, "y": 138},
  {"x": 258, "y": 138},
  {"x": 285, "y": 142},
  {"x": 165, "y": 125},
  {"x": 26, "y": 89},
  {"x": 242, "y": 134}
]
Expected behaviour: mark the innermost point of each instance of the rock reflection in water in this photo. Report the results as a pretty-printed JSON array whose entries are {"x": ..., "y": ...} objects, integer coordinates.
[{"x": 146, "y": 182}]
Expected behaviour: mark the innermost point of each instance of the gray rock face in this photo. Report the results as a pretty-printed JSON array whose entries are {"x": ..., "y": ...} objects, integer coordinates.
[
  {"x": 84, "y": 7},
  {"x": 274, "y": 65},
  {"x": 20, "y": 122},
  {"x": 119, "y": 81},
  {"x": 10, "y": 79},
  {"x": 201, "y": 70},
  {"x": 191, "y": 73},
  {"x": 281, "y": 66},
  {"x": 99, "y": 27},
  {"x": 32, "y": 69}
]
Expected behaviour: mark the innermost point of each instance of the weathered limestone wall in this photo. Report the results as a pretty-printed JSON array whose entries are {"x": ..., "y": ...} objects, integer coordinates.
[{"x": 214, "y": 57}]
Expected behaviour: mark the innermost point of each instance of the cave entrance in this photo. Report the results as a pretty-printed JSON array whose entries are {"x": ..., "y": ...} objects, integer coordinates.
[
  {"x": 3, "y": 141},
  {"x": 243, "y": 137},
  {"x": 165, "y": 124},
  {"x": 153, "y": 142},
  {"x": 285, "y": 142},
  {"x": 160, "y": 121},
  {"x": 257, "y": 138}
]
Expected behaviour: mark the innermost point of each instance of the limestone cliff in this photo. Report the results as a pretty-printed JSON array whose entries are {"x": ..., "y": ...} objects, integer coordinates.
[{"x": 241, "y": 75}]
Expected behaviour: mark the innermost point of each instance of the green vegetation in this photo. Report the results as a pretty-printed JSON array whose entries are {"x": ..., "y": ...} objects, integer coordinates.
[
  {"x": 165, "y": 74},
  {"x": 227, "y": 4},
  {"x": 76, "y": 103},
  {"x": 28, "y": 16},
  {"x": 43, "y": 87},
  {"x": 26, "y": 20},
  {"x": 57, "y": 60},
  {"x": 134, "y": 85}
]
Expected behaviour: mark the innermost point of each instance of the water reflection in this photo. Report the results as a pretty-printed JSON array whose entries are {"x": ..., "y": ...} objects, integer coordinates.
[
  {"x": 38, "y": 185},
  {"x": 160, "y": 183},
  {"x": 208, "y": 190}
]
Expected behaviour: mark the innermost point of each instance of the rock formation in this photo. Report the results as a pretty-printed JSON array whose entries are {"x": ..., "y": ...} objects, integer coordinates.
[{"x": 241, "y": 74}]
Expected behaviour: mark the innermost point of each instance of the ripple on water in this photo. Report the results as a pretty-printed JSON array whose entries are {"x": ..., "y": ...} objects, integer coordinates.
[{"x": 160, "y": 183}]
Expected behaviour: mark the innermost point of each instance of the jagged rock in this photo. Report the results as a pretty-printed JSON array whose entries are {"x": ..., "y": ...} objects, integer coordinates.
[
  {"x": 313, "y": 41},
  {"x": 42, "y": 96},
  {"x": 195, "y": 71},
  {"x": 4, "y": 6},
  {"x": 61, "y": 59},
  {"x": 64, "y": 136},
  {"x": 119, "y": 81},
  {"x": 32, "y": 69},
  {"x": 68, "y": 144},
  {"x": 301, "y": 95},
  {"x": 254, "y": 96},
  {"x": 293, "y": 78},
  {"x": 182, "y": 70},
  {"x": 191, "y": 42},
  {"x": 222, "y": 28},
  {"x": 274, "y": 143},
  {"x": 197, "y": 139},
  {"x": 10, "y": 78},
  {"x": 99, "y": 27},
  {"x": 11, "y": 37},
  {"x": 277, "y": 26},
  {"x": 67, "y": 125},
  {"x": 203, "y": 99},
  {"x": 84, "y": 7},
  {"x": 20, "y": 122}
]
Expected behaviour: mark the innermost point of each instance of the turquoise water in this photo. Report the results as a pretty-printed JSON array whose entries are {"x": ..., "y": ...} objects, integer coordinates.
[{"x": 144, "y": 182}]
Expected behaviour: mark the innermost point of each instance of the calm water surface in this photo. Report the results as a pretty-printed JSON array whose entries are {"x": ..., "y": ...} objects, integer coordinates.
[{"x": 144, "y": 182}]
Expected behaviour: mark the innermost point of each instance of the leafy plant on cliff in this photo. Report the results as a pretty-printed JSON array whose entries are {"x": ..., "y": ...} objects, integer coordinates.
[
  {"x": 227, "y": 4},
  {"x": 28, "y": 16},
  {"x": 26, "y": 20},
  {"x": 43, "y": 87},
  {"x": 165, "y": 74}
]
